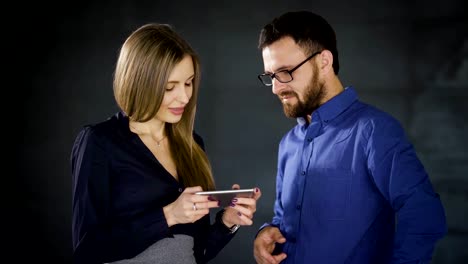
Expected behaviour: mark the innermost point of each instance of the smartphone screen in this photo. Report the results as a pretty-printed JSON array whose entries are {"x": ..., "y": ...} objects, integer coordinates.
[{"x": 225, "y": 196}]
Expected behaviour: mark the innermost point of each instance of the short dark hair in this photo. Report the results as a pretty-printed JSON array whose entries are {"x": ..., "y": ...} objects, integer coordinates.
[{"x": 309, "y": 30}]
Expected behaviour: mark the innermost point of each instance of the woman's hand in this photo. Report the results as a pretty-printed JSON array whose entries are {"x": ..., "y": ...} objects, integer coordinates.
[
  {"x": 241, "y": 209},
  {"x": 189, "y": 207}
]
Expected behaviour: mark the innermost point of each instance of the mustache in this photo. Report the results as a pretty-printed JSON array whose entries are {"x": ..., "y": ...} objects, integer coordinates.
[{"x": 287, "y": 93}]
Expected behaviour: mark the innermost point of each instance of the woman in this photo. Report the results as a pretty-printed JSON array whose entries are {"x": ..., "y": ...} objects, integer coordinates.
[{"x": 135, "y": 174}]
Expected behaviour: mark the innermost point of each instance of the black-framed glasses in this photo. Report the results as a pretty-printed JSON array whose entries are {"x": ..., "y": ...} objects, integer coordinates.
[{"x": 283, "y": 76}]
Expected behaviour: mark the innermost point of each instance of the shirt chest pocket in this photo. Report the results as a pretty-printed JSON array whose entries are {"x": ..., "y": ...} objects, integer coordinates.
[{"x": 330, "y": 193}]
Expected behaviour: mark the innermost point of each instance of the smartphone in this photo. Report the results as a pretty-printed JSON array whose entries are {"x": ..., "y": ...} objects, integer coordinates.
[{"x": 225, "y": 196}]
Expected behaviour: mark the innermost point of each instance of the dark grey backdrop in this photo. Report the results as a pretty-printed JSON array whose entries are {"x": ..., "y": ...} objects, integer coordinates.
[{"x": 409, "y": 58}]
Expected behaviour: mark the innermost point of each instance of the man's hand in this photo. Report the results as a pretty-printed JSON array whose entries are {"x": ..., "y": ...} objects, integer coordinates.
[{"x": 264, "y": 245}]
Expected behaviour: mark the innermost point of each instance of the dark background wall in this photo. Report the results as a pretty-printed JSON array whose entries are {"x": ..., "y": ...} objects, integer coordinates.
[{"x": 410, "y": 58}]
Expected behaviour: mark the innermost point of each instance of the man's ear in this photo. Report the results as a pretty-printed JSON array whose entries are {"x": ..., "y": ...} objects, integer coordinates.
[{"x": 326, "y": 62}]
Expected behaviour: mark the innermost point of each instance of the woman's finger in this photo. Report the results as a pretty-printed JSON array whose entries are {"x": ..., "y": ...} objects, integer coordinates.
[
  {"x": 193, "y": 189},
  {"x": 245, "y": 220},
  {"x": 204, "y": 205},
  {"x": 248, "y": 212}
]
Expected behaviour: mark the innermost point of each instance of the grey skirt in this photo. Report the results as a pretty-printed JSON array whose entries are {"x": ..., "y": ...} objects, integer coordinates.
[{"x": 176, "y": 250}]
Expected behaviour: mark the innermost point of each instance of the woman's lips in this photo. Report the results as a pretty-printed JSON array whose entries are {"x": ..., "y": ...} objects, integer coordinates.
[{"x": 177, "y": 111}]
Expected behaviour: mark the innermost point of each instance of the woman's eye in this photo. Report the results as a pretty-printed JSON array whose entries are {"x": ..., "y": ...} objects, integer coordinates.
[{"x": 170, "y": 88}]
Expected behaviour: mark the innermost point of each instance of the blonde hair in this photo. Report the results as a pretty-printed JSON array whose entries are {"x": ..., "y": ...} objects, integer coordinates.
[{"x": 145, "y": 62}]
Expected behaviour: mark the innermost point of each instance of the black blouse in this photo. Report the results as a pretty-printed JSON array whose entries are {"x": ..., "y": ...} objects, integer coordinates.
[{"x": 119, "y": 190}]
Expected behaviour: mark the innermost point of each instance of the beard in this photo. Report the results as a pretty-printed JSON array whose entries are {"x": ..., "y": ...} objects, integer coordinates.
[{"x": 313, "y": 95}]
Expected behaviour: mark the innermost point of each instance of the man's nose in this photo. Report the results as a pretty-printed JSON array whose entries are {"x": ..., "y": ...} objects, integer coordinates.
[{"x": 277, "y": 87}]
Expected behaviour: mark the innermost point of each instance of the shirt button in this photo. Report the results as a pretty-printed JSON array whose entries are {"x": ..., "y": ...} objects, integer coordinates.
[
  {"x": 303, "y": 173},
  {"x": 180, "y": 190},
  {"x": 298, "y": 207}
]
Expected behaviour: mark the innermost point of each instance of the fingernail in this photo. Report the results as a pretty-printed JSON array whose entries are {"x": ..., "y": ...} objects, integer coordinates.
[
  {"x": 232, "y": 205},
  {"x": 234, "y": 200},
  {"x": 239, "y": 214},
  {"x": 211, "y": 198},
  {"x": 256, "y": 189},
  {"x": 219, "y": 203}
]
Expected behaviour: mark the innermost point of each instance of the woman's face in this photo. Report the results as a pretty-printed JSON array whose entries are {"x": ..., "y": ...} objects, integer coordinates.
[{"x": 179, "y": 90}]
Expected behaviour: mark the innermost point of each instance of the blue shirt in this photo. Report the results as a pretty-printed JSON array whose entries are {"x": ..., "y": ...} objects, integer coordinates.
[{"x": 351, "y": 189}]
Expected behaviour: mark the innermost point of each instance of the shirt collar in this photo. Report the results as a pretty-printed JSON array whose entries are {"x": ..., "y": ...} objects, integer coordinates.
[{"x": 335, "y": 106}]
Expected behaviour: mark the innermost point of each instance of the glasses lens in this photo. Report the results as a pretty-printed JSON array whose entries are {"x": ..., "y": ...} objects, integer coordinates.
[
  {"x": 283, "y": 76},
  {"x": 265, "y": 79}
]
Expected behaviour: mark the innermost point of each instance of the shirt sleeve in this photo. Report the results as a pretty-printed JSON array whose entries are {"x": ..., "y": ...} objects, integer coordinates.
[
  {"x": 278, "y": 206},
  {"x": 210, "y": 243},
  {"x": 97, "y": 239},
  {"x": 402, "y": 180}
]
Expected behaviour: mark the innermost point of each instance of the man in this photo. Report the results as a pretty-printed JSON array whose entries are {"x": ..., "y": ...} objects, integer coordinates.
[{"x": 349, "y": 187}]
